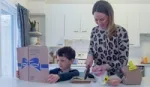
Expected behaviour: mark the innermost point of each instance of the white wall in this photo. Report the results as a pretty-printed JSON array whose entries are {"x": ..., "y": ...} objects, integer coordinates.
[
  {"x": 22, "y": 2},
  {"x": 36, "y": 7},
  {"x": 93, "y": 1}
]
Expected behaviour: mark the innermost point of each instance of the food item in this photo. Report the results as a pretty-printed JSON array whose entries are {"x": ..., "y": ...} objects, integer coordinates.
[
  {"x": 144, "y": 60},
  {"x": 78, "y": 78},
  {"x": 81, "y": 80}
]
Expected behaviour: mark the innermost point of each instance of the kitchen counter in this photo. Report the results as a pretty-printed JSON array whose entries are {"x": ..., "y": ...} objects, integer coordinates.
[
  {"x": 81, "y": 69},
  {"x": 52, "y": 66},
  {"x": 143, "y": 65},
  {"x": 10, "y": 82},
  {"x": 136, "y": 61}
]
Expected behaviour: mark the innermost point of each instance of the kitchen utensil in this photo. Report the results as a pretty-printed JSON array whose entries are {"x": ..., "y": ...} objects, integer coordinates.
[{"x": 87, "y": 72}]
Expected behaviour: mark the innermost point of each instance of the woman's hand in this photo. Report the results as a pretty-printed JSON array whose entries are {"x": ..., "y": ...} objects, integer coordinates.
[
  {"x": 99, "y": 70},
  {"x": 105, "y": 66},
  {"x": 114, "y": 80},
  {"x": 101, "y": 67},
  {"x": 89, "y": 61}
]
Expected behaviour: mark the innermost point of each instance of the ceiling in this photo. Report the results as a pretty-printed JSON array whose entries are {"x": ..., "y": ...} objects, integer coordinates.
[{"x": 93, "y": 1}]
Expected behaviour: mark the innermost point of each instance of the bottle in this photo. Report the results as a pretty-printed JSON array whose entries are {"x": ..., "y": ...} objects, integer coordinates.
[{"x": 145, "y": 59}]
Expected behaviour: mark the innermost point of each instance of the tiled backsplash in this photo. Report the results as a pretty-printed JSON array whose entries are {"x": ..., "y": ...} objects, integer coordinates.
[
  {"x": 145, "y": 45},
  {"x": 135, "y": 52},
  {"x": 81, "y": 46}
]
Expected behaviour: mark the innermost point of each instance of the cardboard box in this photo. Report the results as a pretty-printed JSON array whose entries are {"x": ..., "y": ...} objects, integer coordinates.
[
  {"x": 133, "y": 77},
  {"x": 33, "y": 63}
]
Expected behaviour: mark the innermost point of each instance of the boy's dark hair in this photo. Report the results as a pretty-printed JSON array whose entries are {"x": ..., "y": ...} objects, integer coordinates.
[{"x": 67, "y": 52}]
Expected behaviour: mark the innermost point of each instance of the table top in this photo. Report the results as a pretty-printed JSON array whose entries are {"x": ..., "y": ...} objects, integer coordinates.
[{"x": 14, "y": 82}]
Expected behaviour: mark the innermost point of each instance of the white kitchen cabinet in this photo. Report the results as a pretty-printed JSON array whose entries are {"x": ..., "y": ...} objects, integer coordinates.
[
  {"x": 72, "y": 25},
  {"x": 147, "y": 71},
  {"x": 54, "y": 25},
  {"x": 75, "y": 21},
  {"x": 120, "y": 18},
  {"x": 72, "y": 21},
  {"x": 87, "y": 24},
  {"x": 79, "y": 22},
  {"x": 120, "y": 15},
  {"x": 144, "y": 22},
  {"x": 87, "y": 21},
  {"x": 133, "y": 29},
  {"x": 130, "y": 21}
]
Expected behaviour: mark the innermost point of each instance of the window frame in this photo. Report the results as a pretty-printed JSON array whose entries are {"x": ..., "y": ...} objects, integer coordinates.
[{"x": 12, "y": 10}]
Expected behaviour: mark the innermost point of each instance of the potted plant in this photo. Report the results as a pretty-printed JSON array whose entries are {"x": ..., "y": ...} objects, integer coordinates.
[
  {"x": 33, "y": 25},
  {"x": 34, "y": 33}
]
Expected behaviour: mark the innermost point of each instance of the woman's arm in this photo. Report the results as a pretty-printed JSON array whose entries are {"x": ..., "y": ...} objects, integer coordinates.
[
  {"x": 123, "y": 42},
  {"x": 91, "y": 49},
  {"x": 89, "y": 60},
  {"x": 123, "y": 50}
]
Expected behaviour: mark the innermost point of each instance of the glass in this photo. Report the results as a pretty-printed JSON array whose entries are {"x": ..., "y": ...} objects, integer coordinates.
[{"x": 6, "y": 43}]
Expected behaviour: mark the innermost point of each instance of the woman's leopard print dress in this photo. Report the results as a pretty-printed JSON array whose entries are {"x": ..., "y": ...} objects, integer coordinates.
[{"x": 112, "y": 51}]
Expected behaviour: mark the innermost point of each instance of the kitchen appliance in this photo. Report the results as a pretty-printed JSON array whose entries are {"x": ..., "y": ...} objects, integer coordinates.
[{"x": 81, "y": 57}]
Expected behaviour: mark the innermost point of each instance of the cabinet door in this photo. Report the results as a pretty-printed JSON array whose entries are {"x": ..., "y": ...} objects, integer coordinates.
[
  {"x": 72, "y": 23},
  {"x": 54, "y": 25},
  {"x": 144, "y": 22},
  {"x": 87, "y": 21},
  {"x": 147, "y": 71},
  {"x": 133, "y": 29},
  {"x": 120, "y": 18}
]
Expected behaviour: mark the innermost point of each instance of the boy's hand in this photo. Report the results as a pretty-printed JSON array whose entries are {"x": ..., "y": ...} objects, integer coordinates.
[
  {"x": 17, "y": 74},
  {"x": 53, "y": 78}
]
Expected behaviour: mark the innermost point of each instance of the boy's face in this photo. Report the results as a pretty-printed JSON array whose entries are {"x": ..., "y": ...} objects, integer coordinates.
[{"x": 64, "y": 63}]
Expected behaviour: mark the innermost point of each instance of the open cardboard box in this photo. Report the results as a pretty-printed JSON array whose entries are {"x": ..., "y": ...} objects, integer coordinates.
[
  {"x": 133, "y": 77},
  {"x": 33, "y": 63}
]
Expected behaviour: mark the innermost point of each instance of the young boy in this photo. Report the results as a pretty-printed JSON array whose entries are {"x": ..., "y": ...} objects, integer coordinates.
[{"x": 65, "y": 57}]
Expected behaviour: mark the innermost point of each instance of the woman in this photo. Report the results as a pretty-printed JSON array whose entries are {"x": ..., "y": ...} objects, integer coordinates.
[{"x": 109, "y": 44}]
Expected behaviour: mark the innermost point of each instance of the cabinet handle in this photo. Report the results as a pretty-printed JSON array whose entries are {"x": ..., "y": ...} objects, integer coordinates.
[
  {"x": 84, "y": 31},
  {"x": 131, "y": 44},
  {"x": 75, "y": 31}
]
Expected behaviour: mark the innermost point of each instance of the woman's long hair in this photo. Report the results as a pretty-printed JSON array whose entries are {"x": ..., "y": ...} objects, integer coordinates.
[{"x": 104, "y": 6}]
